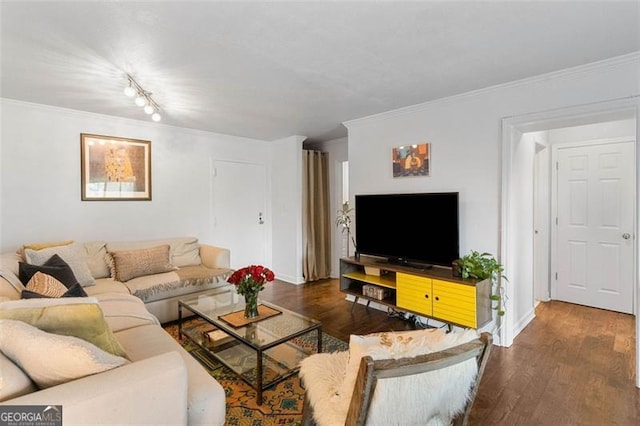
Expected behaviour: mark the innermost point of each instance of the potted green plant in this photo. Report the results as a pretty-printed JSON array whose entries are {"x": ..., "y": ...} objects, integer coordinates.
[{"x": 482, "y": 266}]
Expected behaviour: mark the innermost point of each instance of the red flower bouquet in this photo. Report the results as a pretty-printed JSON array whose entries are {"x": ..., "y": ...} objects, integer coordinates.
[{"x": 249, "y": 281}]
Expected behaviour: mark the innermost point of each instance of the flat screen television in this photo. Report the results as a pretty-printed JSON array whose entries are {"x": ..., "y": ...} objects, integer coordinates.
[{"x": 414, "y": 229}]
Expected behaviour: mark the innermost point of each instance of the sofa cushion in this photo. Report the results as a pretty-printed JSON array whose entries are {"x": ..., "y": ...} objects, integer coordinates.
[
  {"x": 97, "y": 259},
  {"x": 73, "y": 316},
  {"x": 42, "y": 246},
  {"x": 187, "y": 279},
  {"x": 73, "y": 254},
  {"x": 55, "y": 266},
  {"x": 12, "y": 286},
  {"x": 14, "y": 382},
  {"x": 127, "y": 265},
  {"x": 206, "y": 397},
  {"x": 123, "y": 311},
  {"x": 51, "y": 359},
  {"x": 106, "y": 285},
  {"x": 184, "y": 251}
]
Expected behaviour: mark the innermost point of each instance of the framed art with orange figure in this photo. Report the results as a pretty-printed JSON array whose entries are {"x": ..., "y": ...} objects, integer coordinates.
[{"x": 114, "y": 168}]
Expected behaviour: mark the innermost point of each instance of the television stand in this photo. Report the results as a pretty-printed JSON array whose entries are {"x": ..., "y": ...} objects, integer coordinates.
[{"x": 433, "y": 293}]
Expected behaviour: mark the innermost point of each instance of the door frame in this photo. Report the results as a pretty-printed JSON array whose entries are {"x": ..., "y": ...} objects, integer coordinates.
[
  {"x": 554, "y": 201},
  {"x": 512, "y": 130}
]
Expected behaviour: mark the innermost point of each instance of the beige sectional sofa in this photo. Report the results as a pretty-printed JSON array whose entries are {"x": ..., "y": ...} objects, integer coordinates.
[
  {"x": 199, "y": 267},
  {"x": 161, "y": 383}
]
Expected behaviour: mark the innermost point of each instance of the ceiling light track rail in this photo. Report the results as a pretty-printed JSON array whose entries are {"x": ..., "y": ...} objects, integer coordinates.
[{"x": 142, "y": 98}]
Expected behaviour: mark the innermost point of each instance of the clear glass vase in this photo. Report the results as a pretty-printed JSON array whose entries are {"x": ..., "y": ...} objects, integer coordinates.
[{"x": 251, "y": 305}]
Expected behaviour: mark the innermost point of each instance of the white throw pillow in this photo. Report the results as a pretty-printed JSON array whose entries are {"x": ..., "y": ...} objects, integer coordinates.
[
  {"x": 97, "y": 259},
  {"x": 51, "y": 359},
  {"x": 13, "y": 381},
  {"x": 75, "y": 256}
]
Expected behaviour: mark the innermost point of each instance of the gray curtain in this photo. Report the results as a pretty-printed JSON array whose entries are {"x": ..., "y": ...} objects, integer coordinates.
[{"x": 316, "y": 221}]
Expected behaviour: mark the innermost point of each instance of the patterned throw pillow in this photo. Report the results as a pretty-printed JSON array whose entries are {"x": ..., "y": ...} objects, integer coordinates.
[
  {"x": 46, "y": 285},
  {"x": 67, "y": 358},
  {"x": 127, "y": 265},
  {"x": 43, "y": 285},
  {"x": 54, "y": 266}
]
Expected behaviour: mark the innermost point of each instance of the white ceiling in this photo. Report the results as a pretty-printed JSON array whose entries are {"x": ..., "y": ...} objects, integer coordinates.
[{"x": 270, "y": 69}]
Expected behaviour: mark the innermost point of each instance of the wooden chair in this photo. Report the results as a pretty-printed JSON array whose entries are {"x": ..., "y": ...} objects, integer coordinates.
[{"x": 371, "y": 370}]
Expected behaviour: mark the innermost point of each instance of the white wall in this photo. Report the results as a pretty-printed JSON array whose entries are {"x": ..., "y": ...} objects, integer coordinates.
[
  {"x": 521, "y": 271},
  {"x": 465, "y": 136},
  {"x": 608, "y": 130},
  {"x": 286, "y": 208},
  {"x": 40, "y": 178},
  {"x": 542, "y": 217}
]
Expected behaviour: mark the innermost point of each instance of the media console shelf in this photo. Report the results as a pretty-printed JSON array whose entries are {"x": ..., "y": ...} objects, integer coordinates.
[{"x": 433, "y": 293}]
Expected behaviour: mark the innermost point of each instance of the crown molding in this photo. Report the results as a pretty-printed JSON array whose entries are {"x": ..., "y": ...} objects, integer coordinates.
[
  {"x": 122, "y": 120},
  {"x": 589, "y": 68}
]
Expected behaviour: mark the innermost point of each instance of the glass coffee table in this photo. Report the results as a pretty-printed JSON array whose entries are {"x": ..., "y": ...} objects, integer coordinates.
[{"x": 263, "y": 352}]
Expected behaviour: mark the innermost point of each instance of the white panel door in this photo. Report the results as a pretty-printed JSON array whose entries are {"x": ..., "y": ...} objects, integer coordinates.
[
  {"x": 595, "y": 228},
  {"x": 239, "y": 211}
]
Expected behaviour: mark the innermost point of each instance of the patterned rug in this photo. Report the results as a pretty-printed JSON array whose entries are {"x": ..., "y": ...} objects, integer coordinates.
[{"x": 282, "y": 403}]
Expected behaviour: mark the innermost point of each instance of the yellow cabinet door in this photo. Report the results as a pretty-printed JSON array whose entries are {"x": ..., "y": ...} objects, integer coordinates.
[
  {"x": 413, "y": 293},
  {"x": 454, "y": 302}
]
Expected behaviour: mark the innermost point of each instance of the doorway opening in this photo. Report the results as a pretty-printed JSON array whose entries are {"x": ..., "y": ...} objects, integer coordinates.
[
  {"x": 527, "y": 148},
  {"x": 583, "y": 207}
]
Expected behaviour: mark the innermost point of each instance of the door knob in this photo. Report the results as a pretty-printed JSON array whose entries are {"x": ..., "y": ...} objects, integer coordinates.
[
  {"x": 626, "y": 235},
  {"x": 260, "y": 220}
]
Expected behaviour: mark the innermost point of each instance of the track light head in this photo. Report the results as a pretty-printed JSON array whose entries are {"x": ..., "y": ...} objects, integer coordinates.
[
  {"x": 129, "y": 91},
  {"x": 142, "y": 98}
]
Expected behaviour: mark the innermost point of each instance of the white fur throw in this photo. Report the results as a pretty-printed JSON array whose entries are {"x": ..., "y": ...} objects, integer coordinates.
[{"x": 431, "y": 398}]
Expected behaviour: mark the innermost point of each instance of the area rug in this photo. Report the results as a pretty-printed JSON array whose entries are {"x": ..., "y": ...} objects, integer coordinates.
[{"x": 282, "y": 403}]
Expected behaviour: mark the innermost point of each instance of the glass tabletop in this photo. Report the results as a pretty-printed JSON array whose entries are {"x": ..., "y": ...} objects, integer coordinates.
[{"x": 259, "y": 334}]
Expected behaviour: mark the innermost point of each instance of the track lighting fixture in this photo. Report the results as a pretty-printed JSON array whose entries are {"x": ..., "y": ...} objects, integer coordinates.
[{"x": 142, "y": 98}]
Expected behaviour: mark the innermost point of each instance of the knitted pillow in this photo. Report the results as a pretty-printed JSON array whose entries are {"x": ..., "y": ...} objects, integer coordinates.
[{"x": 127, "y": 265}]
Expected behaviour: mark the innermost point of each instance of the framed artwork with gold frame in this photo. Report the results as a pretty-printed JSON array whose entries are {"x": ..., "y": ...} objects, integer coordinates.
[
  {"x": 411, "y": 160},
  {"x": 114, "y": 168}
]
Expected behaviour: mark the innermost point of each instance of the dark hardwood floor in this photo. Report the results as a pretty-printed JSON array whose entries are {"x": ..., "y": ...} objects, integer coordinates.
[{"x": 572, "y": 365}]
